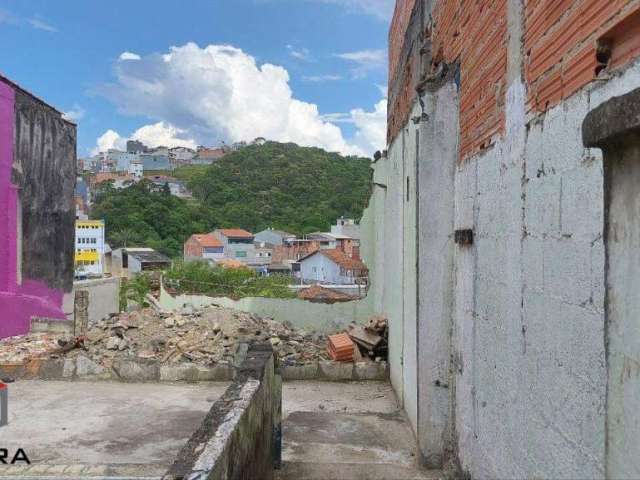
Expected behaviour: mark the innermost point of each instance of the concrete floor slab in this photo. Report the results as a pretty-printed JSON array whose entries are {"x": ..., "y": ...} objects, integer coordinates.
[
  {"x": 101, "y": 430},
  {"x": 347, "y": 431}
]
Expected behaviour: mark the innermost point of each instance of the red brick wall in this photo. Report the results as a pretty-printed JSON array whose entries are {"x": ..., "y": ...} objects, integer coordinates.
[
  {"x": 192, "y": 248},
  {"x": 559, "y": 51},
  {"x": 475, "y": 33},
  {"x": 560, "y": 45}
]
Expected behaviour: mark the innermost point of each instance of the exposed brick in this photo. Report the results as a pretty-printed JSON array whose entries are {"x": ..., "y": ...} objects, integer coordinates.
[{"x": 560, "y": 43}]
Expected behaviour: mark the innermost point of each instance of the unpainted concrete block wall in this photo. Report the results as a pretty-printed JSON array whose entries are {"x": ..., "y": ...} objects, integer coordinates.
[{"x": 523, "y": 338}]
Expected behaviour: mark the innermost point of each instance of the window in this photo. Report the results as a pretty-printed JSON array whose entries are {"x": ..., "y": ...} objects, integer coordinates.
[{"x": 241, "y": 254}]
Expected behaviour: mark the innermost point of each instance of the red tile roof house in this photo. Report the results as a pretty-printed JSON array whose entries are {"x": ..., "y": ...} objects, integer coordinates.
[
  {"x": 332, "y": 266},
  {"x": 237, "y": 244},
  {"x": 203, "y": 247}
]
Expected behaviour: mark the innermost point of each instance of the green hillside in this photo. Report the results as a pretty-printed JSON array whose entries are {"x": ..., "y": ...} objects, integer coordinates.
[
  {"x": 277, "y": 185},
  {"x": 282, "y": 186}
]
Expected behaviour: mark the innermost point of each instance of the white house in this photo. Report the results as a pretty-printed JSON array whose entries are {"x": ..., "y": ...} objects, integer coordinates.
[
  {"x": 136, "y": 169},
  {"x": 332, "y": 266}
]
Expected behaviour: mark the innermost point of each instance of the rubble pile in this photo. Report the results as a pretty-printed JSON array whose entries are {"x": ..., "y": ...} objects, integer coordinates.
[
  {"x": 203, "y": 337},
  {"x": 371, "y": 339}
]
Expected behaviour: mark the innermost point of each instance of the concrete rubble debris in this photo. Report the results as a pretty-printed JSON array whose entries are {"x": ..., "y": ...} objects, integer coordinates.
[
  {"x": 372, "y": 339},
  {"x": 201, "y": 337}
]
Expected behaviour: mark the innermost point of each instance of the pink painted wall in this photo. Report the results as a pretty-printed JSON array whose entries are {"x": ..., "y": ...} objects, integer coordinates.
[{"x": 19, "y": 300}]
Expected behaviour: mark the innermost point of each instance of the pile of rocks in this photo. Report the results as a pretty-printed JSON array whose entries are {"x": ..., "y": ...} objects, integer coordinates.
[{"x": 204, "y": 337}]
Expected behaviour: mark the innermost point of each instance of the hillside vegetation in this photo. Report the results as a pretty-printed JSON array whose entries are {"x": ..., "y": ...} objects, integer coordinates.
[
  {"x": 283, "y": 186},
  {"x": 277, "y": 185}
]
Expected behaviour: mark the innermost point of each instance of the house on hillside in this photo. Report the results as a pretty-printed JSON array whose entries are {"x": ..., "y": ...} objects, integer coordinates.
[
  {"x": 128, "y": 262},
  {"x": 346, "y": 226},
  {"x": 177, "y": 188},
  {"x": 274, "y": 237},
  {"x": 155, "y": 161},
  {"x": 203, "y": 247},
  {"x": 332, "y": 266},
  {"x": 335, "y": 241},
  {"x": 207, "y": 156},
  {"x": 237, "y": 243}
]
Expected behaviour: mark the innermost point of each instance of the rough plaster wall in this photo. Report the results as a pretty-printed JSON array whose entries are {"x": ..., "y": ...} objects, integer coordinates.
[
  {"x": 394, "y": 263},
  {"x": 623, "y": 278},
  {"x": 45, "y": 171},
  {"x": 410, "y": 272},
  {"x": 437, "y": 160}
]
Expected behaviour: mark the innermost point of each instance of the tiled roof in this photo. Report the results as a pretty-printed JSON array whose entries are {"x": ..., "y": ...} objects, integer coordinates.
[
  {"x": 207, "y": 240},
  {"x": 340, "y": 258},
  {"x": 235, "y": 233},
  {"x": 343, "y": 259}
]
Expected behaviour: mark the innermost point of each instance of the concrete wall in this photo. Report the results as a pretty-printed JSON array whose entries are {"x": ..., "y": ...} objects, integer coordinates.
[
  {"x": 240, "y": 438},
  {"x": 104, "y": 297},
  {"x": 511, "y": 367},
  {"x": 318, "y": 317},
  {"x": 37, "y": 211}
]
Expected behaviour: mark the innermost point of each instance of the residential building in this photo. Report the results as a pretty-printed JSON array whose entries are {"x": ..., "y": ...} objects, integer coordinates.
[
  {"x": 89, "y": 248},
  {"x": 136, "y": 169},
  {"x": 179, "y": 156},
  {"x": 177, "y": 187},
  {"x": 128, "y": 262},
  {"x": 336, "y": 241},
  {"x": 207, "y": 156},
  {"x": 134, "y": 146},
  {"x": 155, "y": 161},
  {"x": 273, "y": 237},
  {"x": 331, "y": 266},
  {"x": 293, "y": 250},
  {"x": 347, "y": 227},
  {"x": 120, "y": 180},
  {"x": 237, "y": 244},
  {"x": 37, "y": 210},
  {"x": 203, "y": 247},
  {"x": 121, "y": 160}
]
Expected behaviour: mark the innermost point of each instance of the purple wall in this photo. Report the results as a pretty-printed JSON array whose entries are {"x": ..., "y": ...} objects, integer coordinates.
[{"x": 20, "y": 299}]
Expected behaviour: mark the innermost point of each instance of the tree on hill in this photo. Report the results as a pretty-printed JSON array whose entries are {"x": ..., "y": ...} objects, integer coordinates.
[
  {"x": 277, "y": 185},
  {"x": 283, "y": 186}
]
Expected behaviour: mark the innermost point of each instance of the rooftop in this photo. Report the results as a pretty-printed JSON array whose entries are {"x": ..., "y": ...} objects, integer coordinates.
[
  {"x": 340, "y": 258},
  {"x": 146, "y": 256},
  {"x": 207, "y": 240},
  {"x": 235, "y": 233}
]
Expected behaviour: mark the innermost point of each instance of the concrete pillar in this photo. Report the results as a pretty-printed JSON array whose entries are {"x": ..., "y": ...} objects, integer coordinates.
[
  {"x": 81, "y": 313},
  {"x": 615, "y": 128}
]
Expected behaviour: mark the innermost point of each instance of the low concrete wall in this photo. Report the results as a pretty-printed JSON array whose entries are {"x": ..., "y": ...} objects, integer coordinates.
[
  {"x": 240, "y": 437},
  {"x": 103, "y": 297},
  {"x": 325, "y": 318}
]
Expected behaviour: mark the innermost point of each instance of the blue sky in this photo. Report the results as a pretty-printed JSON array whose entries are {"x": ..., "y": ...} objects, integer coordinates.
[{"x": 201, "y": 71}]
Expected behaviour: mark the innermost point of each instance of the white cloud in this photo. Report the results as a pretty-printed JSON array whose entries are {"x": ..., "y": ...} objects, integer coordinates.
[
  {"x": 108, "y": 140},
  {"x": 41, "y": 25},
  {"x": 163, "y": 134},
  {"x": 321, "y": 78},
  {"x": 364, "y": 61},
  {"x": 154, "y": 135},
  {"x": 299, "y": 53},
  {"x": 75, "y": 114},
  {"x": 220, "y": 92},
  {"x": 371, "y": 127},
  {"x": 382, "y": 9},
  {"x": 129, "y": 56}
]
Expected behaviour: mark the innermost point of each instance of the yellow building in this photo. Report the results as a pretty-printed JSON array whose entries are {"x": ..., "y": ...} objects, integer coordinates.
[{"x": 90, "y": 248}]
